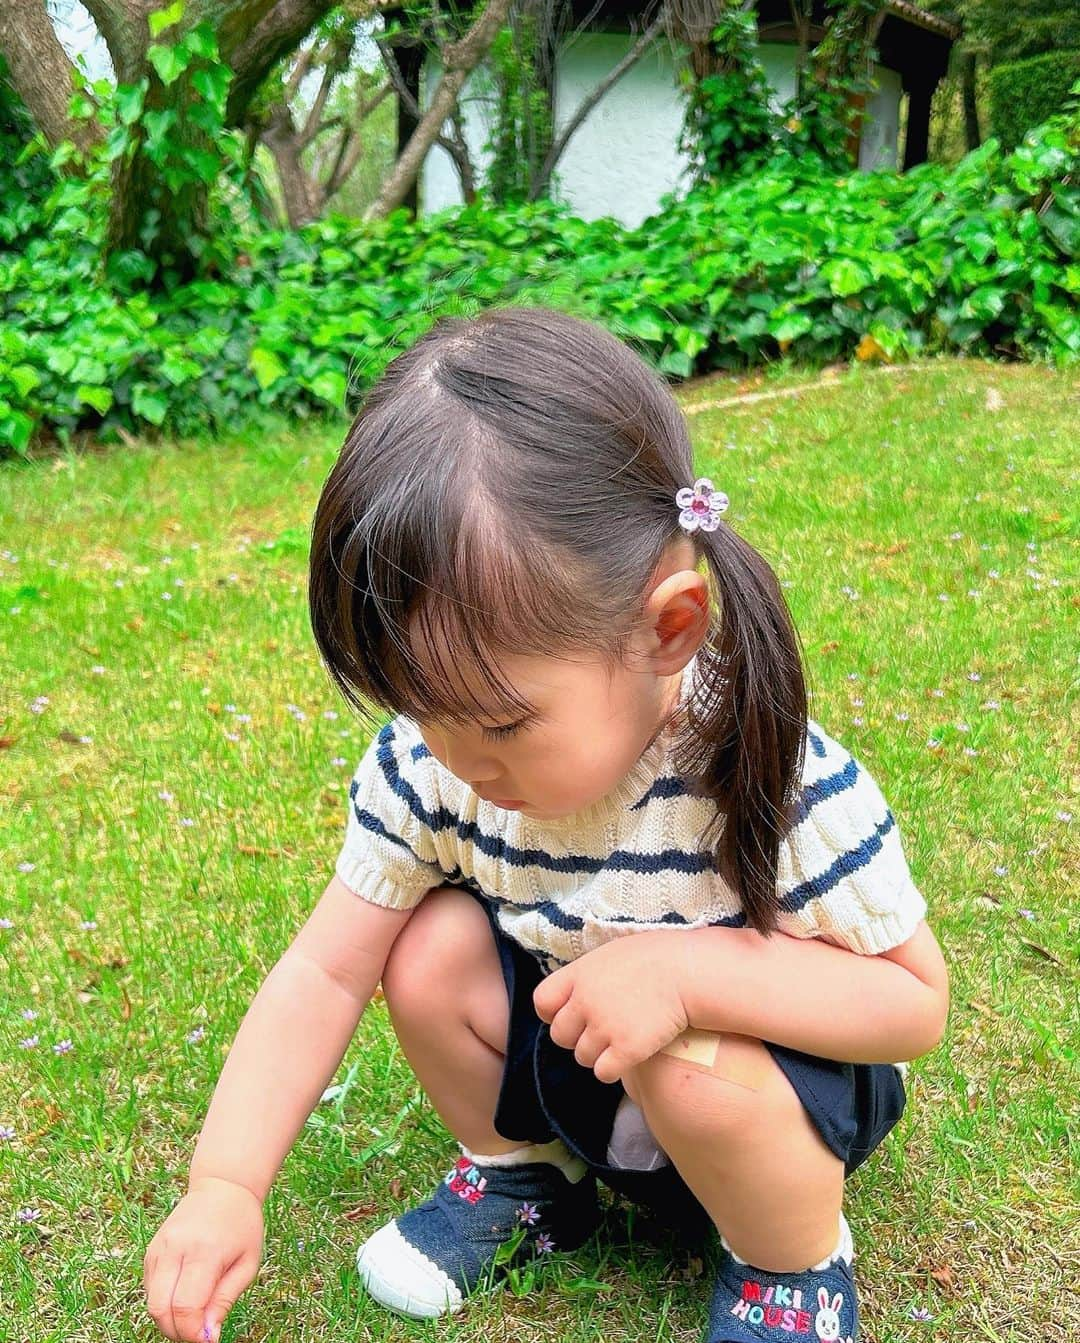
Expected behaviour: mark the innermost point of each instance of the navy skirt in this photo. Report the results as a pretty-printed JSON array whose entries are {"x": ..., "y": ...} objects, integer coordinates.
[{"x": 546, "y": 1093}]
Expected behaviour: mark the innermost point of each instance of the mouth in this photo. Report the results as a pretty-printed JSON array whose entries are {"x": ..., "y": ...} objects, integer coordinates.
[{"x": 506, "y": 803}]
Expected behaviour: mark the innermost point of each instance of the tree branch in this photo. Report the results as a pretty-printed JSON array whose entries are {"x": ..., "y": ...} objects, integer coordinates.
[
  {"x": 616, "y": 73},
  {"x": 253, "y": 51}
]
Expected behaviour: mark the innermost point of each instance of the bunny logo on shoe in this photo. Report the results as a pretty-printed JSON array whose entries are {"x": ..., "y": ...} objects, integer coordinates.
[{"x": 827, "y": 1320}]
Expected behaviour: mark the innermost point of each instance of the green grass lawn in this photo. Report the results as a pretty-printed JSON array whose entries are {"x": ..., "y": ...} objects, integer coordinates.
[{"x": 173, "y": 779}]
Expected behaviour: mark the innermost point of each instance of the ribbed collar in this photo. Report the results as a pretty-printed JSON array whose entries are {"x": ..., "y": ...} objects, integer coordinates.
[{"x": 636, "y": 783}]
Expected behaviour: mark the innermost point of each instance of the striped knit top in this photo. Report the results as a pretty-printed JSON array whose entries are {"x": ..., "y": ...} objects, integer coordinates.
[{"x": 632, "y": 861}]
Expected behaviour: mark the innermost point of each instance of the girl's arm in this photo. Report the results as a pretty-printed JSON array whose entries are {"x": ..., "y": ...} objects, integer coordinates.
[
  {"x": 816, "y": 997},
  {"x": 288, "y": 1046},
  {"x": 292, "y": 1039}
]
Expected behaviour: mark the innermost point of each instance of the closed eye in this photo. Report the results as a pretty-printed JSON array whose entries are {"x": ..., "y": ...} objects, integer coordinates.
[{"x": 508, "y": 730}]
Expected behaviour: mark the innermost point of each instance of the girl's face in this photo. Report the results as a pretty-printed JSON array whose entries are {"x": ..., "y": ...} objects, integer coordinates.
[{"x": 591, "y": 727}]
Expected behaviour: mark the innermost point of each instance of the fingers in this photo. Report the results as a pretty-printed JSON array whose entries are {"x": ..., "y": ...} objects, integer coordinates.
[
  {"x": 197, "y": 1280},
  {"x": 160, "y": 1277},
  {"x": 551, "y": 993},
  {"x": 233, "y": 1283},
  {"x": 609, "y": 1065},
  {"x": 589, "y": 1047},
  {"x": 567, "y": 1024}
]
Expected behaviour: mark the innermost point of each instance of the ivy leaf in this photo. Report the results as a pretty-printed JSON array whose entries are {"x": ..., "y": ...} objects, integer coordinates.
[
  {"x": 168, "y": 17},
  {"x": 148, "y": 404},
  {"x": 169, "y": 62},
  {"x": 266, "y": 366},
  {"x": 99, "y": 397}
]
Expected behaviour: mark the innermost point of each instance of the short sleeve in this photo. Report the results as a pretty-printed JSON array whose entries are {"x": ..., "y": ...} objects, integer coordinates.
[
  {"x": 388, "y": 855},
  {"x": 841, "y": 872}
]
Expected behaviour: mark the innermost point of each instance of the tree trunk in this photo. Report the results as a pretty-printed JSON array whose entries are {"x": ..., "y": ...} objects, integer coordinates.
[
  {"x": 41, "y": 73},
  {"x": 459, "y": 59},
  {"x": 297, "y": 189},
  {"x": 169, "y": 223},
  {"x": 972, "y": 134}
]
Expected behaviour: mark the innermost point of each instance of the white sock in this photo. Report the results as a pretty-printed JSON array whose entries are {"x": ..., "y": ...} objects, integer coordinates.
[
  {"x": 845, "y": 1249},
  {"x": 555, "y": 1152}
]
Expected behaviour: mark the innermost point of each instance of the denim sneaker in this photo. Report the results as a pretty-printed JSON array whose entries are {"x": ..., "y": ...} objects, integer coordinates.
[
  {"x": 750, "y": 1304},
  {"x": 425, "y": 1262}
]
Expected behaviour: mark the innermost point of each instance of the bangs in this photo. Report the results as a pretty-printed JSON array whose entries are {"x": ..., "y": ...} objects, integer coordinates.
[{"x": 442, "y": 578}]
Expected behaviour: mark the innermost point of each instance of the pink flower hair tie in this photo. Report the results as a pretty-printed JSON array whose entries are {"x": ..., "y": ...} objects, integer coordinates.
[{"x": 701, "y": 506}]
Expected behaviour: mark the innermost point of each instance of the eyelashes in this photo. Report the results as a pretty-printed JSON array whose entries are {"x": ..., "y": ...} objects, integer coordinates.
[{"x": 501, "y": 733}]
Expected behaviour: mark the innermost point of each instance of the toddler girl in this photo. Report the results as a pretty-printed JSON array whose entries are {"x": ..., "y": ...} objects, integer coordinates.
[{"x": 636, "y": 917}]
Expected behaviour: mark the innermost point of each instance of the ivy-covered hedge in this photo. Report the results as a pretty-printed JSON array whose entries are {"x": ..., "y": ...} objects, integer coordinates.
[
  {"x": 1025, "y": 93},
  {"x": 981, "y": 258}
]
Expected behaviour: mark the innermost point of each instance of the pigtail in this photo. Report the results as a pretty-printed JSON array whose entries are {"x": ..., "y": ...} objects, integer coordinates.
[{"x": 747, "y": 717}]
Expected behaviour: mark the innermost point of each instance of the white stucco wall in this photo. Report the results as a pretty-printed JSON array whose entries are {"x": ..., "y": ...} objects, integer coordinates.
[{"x": 623, "y": 157}]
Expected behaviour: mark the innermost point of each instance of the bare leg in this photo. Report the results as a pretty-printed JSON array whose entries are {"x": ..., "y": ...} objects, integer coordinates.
[
  {"x": 741, "y": 1139},
  {"x": 447, "y": 1001}
]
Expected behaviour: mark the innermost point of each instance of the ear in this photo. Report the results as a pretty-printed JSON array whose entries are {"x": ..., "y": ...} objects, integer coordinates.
[{"x": 676, "y": 619}]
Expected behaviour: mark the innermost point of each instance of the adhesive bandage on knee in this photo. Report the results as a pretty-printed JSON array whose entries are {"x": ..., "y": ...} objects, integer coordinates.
[{"x": 732, "y": 1058}]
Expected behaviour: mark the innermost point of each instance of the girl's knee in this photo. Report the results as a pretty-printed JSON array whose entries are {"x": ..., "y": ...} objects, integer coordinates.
[
  {"x": 707, "y": 1082},
  {"x": 443, "y": 935}
]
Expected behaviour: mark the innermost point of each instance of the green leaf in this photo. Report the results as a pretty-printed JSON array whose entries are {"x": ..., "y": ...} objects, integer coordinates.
[
  {"x": 212, "y": 83},
  {"x": 791, "y": 326},
  {"x": 98, "y": 397},
  {"x": 61, "y": 360},
  {"x": 845, "y": 276},
  {"x": 24, "y": 378},
  {"x": 161, "y": 19},
  {"x": 201, "y": 41},
  {"x": 266, "y": 366},
  {"x": 129, "y": 101},
  {"x": 169, "y": 62},
  {"x": 330, "y": 387},
  {"x": 147, "y": 404},
  {"x": 15, "y": 428}
]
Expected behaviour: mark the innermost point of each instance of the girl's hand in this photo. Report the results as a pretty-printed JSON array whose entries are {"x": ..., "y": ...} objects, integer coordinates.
[
  {"x": 618, "y": 1004},
  {"x": 203, "y": 1256}
]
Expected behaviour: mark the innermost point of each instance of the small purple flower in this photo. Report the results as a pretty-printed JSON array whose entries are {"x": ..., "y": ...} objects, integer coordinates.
[
  {"x": 544, "y": 1243},
  {"x": 27, "y": 867},
  {"x": 920, "y": 1313},
  {"x": 165, "y": 796},
  {"x": 7, "y": 1133},
  {"x": 338, "y": 761},
  {"x": 193, "y": 1037},
  {"x": 29, "y": 1043},
  {"x": 701, "y": 506},
  {"x": 28, "y": 1014},
  {"x": 1026, "y": 913},
  {"x": 186, "y": 822},
  {"x": 88, "y": 925},
  {"x": 63, "y": 1047},
  {"x": 528, "y": 1214},
  {"x": 28, "y": 1214},
  {"x": 6, "y": 923}
]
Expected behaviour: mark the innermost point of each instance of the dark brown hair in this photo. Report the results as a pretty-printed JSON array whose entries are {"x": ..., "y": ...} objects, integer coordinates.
[{"x": 510, "y": 479}]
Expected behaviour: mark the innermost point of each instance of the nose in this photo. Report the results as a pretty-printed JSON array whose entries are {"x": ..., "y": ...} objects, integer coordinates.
[{"x": 470, "y": 766}]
